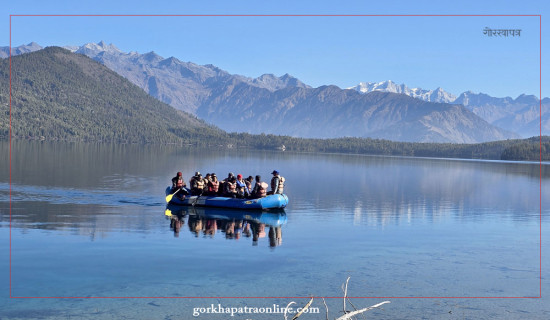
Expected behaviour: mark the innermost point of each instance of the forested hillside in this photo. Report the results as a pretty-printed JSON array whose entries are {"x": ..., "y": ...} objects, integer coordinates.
[
  {"x": 516, "y": 149},
  {"x": 60, "y": 95}
]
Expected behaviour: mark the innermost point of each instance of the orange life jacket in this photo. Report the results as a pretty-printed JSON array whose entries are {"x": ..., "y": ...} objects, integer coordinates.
[
  {"x": 281, "y": 186},
  {"x": 260, "y": 192}
]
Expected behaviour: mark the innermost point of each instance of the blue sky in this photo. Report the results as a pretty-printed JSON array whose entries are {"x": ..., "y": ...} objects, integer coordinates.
[{"x": 427, "y": 52}]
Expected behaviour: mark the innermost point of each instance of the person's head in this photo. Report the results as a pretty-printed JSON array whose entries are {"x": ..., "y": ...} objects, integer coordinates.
[
  {"x": 275, "y": 173},
  {"x": 208, "y": 175},
  {"x": 250, "y": 178},
  {"x": 213, "y": 176},
  {"x": 230, "y": 175},
  {"x": 258, "y": 178},
  {"x": 197, "y": 174},
  {"x": 179, "y": 174},
  {"x": 239, "y": 176}
]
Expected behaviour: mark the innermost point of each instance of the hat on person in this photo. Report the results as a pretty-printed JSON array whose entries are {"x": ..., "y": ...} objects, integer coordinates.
[
  {"x": 197, "y": 173},
  {"x": 275, "y": 172},
  {"x": 179, "y": 173},
  {"x": 239, "y": 176}
]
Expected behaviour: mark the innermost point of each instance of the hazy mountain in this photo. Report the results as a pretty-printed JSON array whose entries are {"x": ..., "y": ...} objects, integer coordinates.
[
  {"x": 31, "y": 47},
  {"x": 183, "y": 85},
  {"x": 521, "y": 115},
  {"x": 329, "y": 111},
  {"x": 61, "y": 95}
]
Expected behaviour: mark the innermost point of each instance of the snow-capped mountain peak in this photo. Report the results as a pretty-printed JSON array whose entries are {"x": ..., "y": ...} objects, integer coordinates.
[
  {"x": 437, "y": 95},
  {"x": 101, "y": 46}
]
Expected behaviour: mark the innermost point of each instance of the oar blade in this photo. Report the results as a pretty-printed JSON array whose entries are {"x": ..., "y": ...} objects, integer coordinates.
[{"x": 169, "y": 197}]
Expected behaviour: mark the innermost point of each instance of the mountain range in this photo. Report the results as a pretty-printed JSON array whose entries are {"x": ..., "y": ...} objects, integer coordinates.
[
  {"x": 183, "y": 85},
  {"x": 521, "y": 115},
  {"x": 285, "y": 105}
]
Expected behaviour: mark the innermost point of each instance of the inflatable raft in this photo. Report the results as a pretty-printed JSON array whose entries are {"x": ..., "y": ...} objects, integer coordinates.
[{"x": 275, "y": 201}]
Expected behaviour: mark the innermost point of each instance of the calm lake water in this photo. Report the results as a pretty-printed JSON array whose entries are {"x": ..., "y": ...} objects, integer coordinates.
[{"x": 89, "y": 220}]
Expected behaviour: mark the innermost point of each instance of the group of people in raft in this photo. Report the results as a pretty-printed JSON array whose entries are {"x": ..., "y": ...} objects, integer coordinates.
[{"x": 232, "y": 186}]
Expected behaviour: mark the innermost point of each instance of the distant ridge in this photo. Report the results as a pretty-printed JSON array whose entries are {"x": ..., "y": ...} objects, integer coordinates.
[{"x": 31, "y": 47}]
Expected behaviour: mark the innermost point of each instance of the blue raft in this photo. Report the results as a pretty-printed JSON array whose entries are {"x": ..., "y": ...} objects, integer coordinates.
[{"x": 275, "y": 201}]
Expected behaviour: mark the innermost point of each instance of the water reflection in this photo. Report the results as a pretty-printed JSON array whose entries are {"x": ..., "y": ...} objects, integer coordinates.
[{"x": 230, "y": 224}]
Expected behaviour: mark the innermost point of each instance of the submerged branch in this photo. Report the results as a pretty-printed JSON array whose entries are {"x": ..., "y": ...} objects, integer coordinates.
[
  {"x": 326, "y": 307},
  {"x": 351, "y": 314},
  {"x": 345, "y": 294},
  {"x": 303, "y": 309}
]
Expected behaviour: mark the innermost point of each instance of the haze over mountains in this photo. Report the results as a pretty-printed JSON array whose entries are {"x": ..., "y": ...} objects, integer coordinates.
[{"x": 285, "y": 105}]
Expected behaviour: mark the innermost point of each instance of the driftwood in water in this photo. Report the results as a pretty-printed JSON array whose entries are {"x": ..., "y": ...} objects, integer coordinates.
[{"x": 347, "y": 314}]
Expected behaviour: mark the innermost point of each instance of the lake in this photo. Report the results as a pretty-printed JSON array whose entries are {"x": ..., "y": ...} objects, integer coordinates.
[{"x": 439, "y": 238}]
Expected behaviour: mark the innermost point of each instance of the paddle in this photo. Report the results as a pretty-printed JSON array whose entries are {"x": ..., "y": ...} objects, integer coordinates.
[
  {"x": 196, "y": 199},
  {"x": 170, "y": 196}
]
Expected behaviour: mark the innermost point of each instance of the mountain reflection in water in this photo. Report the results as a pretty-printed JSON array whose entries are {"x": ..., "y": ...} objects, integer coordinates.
[{"x": 233, "y": 224}]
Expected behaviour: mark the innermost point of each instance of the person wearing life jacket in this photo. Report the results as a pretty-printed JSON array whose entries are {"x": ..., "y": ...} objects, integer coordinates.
[
  {"x": 242, "y": 190},
  {"x": 260, "y": 187},
  {"x": 248, "y": 181},
  {"x": 193, "y": 178},
  {"x": 222, "y": 183},
  {"x": 230, "y": 176},
  {"x": 231, "y": 188},
  {"x": 197, "y": 184},
  {"x": 277, "y": 183},
  {"x": 179, "y": 184},
  {"x": 212, "y": 185}
]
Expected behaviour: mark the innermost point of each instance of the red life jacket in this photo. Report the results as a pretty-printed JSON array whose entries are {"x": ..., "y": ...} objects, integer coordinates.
[
  {"x": 213, "y": 186},
  {"x": 231, "y": 187}
]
